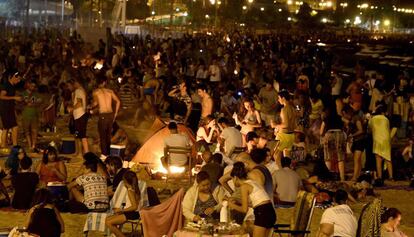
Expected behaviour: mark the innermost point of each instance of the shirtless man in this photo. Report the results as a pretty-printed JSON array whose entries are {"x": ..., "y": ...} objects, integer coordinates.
[
  {"x": 102, "y": 98},
  {"x": 206, "y": 101},
  {"x": 285, "y": 135}
]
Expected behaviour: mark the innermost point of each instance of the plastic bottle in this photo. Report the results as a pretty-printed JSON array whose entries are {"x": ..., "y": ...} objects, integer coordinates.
[{"x": 224, "y": 212}]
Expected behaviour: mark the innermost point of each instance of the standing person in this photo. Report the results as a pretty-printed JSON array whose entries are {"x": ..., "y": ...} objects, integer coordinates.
[
  {"x": 80, "y": 116},
  {"x": 7, "y": 108},
  {"x": 381, "y": 136},
  {"x": 214, "y": 72},
  {"x": 334, "y": 141},
  {"x": 268, "y": 102},
  {"x": 206, "y": 101},
  {"x": 338, "y": 220},
  {"x": 285, "y": 135},
  {"x": 181, "y": 103},
  {"x": 103, "y": 98},
  {"x": 264, "y": 213},
  {"x": 31, "y": 113}
]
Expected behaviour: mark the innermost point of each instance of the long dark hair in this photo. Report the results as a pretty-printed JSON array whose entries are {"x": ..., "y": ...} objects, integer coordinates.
[
  {"x": 239, "y": 170},
  {"x": 132, "y": 179},
  {"x": 46, "y": 153},
  {"x": 42, "y": 197},
  {"x": 390, "y": 213}
]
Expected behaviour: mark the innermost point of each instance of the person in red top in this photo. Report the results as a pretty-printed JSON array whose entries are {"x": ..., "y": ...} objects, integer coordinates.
[{"x": 51, "y": 169}]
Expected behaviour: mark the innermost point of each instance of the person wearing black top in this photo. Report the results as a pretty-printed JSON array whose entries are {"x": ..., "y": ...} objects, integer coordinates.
[
  {"x": 24, "y": 185},
  {"x": 7, "y": 107},
  {"x": 334, "y": 141},
  {"x": 44, "y": 219}
]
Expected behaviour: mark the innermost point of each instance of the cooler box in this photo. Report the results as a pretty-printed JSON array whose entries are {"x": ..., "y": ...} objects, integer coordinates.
[
  {"x": 68, "y": 145},
  {"x": 117, "y": 150}
]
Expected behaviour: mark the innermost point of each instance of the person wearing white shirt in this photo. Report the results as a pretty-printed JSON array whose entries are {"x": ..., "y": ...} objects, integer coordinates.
[
  {"x": 214, "y": 71},
  {"x": 230, "y": 137},
  {"x": 175, "y": 140},
  {"x": 80, "y": 116},
  {"x": 338, "y": 220}
]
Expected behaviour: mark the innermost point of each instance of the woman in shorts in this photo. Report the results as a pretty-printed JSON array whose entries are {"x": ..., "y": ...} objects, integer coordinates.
[
  {"x": 264, "y": 213},
  {"x": 130, "y": 213}
]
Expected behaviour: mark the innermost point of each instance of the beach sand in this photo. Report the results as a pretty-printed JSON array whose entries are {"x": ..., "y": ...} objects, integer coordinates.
[{"x": 401, "y": 199}]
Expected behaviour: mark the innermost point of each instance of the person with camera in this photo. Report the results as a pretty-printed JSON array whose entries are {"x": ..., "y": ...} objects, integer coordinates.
[{"x": 181, "y": 104}]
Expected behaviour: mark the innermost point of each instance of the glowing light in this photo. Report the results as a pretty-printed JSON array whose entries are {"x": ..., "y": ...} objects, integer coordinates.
[
  {"x": 309, "y": 41},
  {"x": 185, "y": 14},
  {"x": 213, "y": 2},
  {"x": 377, "y": 22},
  {"x": 289, "y": 18},
  {"x": 365, "y": 5},
  {"x": 324, "y": 20},
  {"x": 280, "y": 10},
  {"x": 289, "y": 2},
  {"x": 314, "y": 13},
  {"x": 219, "y": 2},
  {"x": 357, "y": 20},
  {"x": 244, "y": 7},
  {"x": 250, "y": 1},
  {"x": 235, "y": 72},
  {"x": 207, "y": 16},
  {"x": 348, "y": 40},
  {"x": 152, "y": 13},
  {"x": 329, "y": 4},
  {"x": 262, "y": 9},
  {"x": 347, "y": 21},
  {"x": 228, "y": 39},
  {"x": 387, "y": 22},
  {"x": 177, "y": 9}
]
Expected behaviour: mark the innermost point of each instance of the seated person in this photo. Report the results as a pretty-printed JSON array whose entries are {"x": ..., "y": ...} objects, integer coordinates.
[
  {"x": 175, "y": 139},
  {"x": 12, "y": 162},
  {"x": 5, "y": 201},
  {"x": 129, "y": 213},
  {"x": 115, "y": 170},
  {"x": 94, "y": 186},
  {"x": 391, "y": 219},
  {"x": 287, "y": 184},
  {"x": 101, "y": 167},
  {"x": 213, "y": 168},
  {"x": 44, "y": 219},
  {"x": 338, "y": 220},
  {"x": 199, "y": 200},
  {"x": 51, "y": 169},
  {"x": 24, "y": 184}
]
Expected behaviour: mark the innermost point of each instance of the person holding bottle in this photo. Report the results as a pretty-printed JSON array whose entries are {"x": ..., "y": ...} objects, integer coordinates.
[{"x": 264, "y": 213}]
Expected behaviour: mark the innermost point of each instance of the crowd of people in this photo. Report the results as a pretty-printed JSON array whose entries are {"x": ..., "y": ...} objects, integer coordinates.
[{"x": 260, "y": 106}]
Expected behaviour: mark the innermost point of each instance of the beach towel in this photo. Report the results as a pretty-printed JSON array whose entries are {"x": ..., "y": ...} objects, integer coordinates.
[
  {"x": 165, "y": 218},
  {"x": 96, "y": 220}
]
